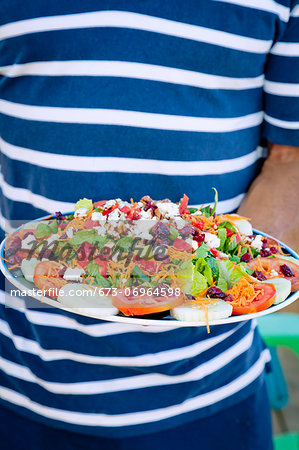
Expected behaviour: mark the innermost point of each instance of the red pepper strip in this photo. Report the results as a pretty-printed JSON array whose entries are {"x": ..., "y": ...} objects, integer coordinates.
[
  {"x": 183, "y": 205},
  {"x": 229, "y": 232}
]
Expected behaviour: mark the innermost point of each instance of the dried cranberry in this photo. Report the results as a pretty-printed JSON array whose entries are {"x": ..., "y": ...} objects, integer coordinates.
[
  {"x": 163, "y": 258},
  {"x": 214, "y": 292},
  {"x": 199, "y": 239},
  {"x": 265, "y": 243},
  {"x": 229, "y": 298},
  {"x": 47, "y": 253},
  {"x": 160, "y": 229},
  {"x": 16, "y": 243},
  {"x": 186, "y": 231},
  {"x": 273, "y": 250},
  {"x": 14, "y": 259},
  {"x": 150, "y": 205},
  {"x": 59, "y": 216},
  {"x": 246, "y": 257},
  {"x": 190, "y": 297},
  {"x": 286, "y": 270},
  {"x": 265, "y": 252},
  {"x": 259, "y": 275}
]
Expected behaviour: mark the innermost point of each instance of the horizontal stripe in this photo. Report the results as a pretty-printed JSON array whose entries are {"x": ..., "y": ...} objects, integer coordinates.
[
  {"x": 286, "y": 49},
  {"x": 295, "y": 11},
  {"x": 283, "y": 89},
  {"x": 130, "y": 118},
  {"x": 125, "y": 69},
  {"x": 123, "y": 19},
  {"x": 42, "y": 318},
  {"x": 135, "y": 382},
  {"x": 127, "y": 165},
  {"x": 5, "y": 224},
  {"x": 265, "y": 5},
  {"x": 146, "y": 360},
  {"x": 26, "y": 196},
  {"x": 282, "y": 123},
  {"x": 118, "y": 420},
  {"x": 49, "y": 205}
]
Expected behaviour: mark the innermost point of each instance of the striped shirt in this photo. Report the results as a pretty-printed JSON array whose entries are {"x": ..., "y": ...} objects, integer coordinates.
[{"x": 135, "y": 98}]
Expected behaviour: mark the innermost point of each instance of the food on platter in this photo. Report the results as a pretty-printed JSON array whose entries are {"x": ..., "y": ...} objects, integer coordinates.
[
  {"x": 83, "y": 298},
  {"x": 148, "y": 257}
]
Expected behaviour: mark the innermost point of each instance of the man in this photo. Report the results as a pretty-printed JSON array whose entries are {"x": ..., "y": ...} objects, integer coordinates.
[{"x": 121, "y": 100}]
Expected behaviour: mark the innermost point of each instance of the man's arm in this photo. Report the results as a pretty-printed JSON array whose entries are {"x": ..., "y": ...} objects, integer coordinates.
[{"x": 272, "y": 201}]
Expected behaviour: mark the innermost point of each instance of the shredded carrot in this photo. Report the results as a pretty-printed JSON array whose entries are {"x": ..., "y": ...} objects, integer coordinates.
[
  {"x": 14, "y": 266},
  {"x": 243, "y": 292},
  {"x": 178, "y": 254},
  {"x": 3, "y": 259}
]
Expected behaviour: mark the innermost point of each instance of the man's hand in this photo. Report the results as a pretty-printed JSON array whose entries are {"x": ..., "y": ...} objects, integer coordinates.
[{"x": 272, "y": 201}]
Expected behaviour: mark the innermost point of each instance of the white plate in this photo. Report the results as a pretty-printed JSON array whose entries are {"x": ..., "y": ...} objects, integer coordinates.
[{"x": 24, "y": 285}]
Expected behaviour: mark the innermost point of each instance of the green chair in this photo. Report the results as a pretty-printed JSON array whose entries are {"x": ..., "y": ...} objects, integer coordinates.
[{"x": 280, "y": 330}]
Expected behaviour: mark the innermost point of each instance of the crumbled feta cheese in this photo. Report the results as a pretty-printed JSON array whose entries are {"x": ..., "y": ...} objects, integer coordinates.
[
  {"x": 257, "y": 242},
  {"x": 273, "y": 273},
  {"x": 141, "y": 229},
  {"x": 28, "y": 242},
  {"x": 223, "y": 255},
  {"x": 145, "y": 214},
  {"x": 168, "y": 209},
  {"x": 109, "y": 204},
  {"x": 81, "y": 212},
  {"x": 194, "y": 245},
  {"x": 53, "y": 238},
  {"x": 189, "y": 241},
  {"x": 73, "y": 274},
  {"x": 96, "y": 216},
  {"x": 116, "y": 214},
  {"x": 121, "y": 204},
  {"x": 180, "y": 223},
  {"x": 212, "y": 240},
  {"x": 70, "y": 232}
]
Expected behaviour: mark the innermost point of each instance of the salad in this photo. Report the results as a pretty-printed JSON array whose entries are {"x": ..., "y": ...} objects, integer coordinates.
[{"x": 148, "y": 257}]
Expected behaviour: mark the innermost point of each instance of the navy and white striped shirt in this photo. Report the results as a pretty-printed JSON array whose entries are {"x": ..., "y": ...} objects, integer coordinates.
[{"x": 138, "y": 97}]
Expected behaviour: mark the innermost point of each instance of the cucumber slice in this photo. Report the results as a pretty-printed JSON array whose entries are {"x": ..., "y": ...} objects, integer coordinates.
[
  {"x": 28, "y": 267},
  {"x": 84, "y": 299},
  {"x": 283, "y": 288},
  {"x": 244, "y": 226},
  {"x": 219, "y": 309}
]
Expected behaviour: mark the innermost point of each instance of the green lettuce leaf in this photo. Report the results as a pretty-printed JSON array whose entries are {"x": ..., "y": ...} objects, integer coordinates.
[
  {"x": 43, "y": 230},
  {"x": 203, "y": 251},
  {"x": 199, "y": 283},
  {"x": 84, "y": 203},
  {"x": 222, "y": 236}
]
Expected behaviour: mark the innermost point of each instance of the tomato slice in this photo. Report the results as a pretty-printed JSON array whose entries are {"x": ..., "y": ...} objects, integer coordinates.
[
  {"x": 146, "y": 265},
  {"x": 262, "y": 301},
  {"x": 146, "y": 304},
  {"x": 180, "y": 244},
  {"x": 100, "y": 203},
  {"x": 275, "y": 263}
]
